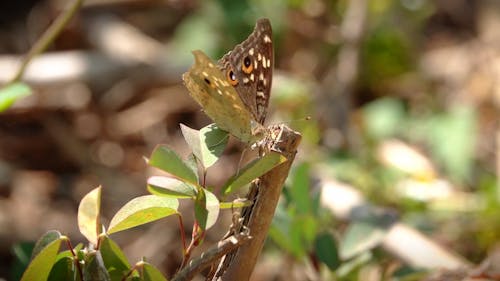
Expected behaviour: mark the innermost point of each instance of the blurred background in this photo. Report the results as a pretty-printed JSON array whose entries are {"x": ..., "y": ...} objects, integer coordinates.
[{"x": 404, "y": 103}]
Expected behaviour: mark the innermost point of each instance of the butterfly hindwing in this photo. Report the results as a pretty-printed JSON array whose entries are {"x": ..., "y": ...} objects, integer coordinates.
[
  {"x": 250, "y": 67},
  {"x": 219, "y": 100}
]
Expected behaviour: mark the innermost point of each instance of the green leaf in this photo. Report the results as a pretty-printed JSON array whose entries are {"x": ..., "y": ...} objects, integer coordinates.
[
  {"x": 206, "y": 209},
  {"x": 115, "y": 261},
  {"x": 360, "y": 237},
  {"x": 165, "y": 186},
  {"x": 46, "y": 239},
  {"x": 298, "y": 245},
  {"x": 94, "y": 268},
  {"x": 238, "y": 203},
  {"x": 142, "y": 210},
  {"x": 167, "y": 160},
  {"x": 11, "y": 93},
  {"x": 192, "y": 163},
  {"x": 89, "y": 221},
  {"x": 253, "y": 170},
  {"x": 22, "y": 256},
  {"x": 281, "y": 227},
  {"x": 452, "y": 140},
  {"x": 151, "y": 273},
  {"x": 200, "y": 208},
  {"x": 63, "y": 269},
  {"x": 299, "y": 190},
  {"x": 40, "y": 266},
  {"x": 326, "y": 250},
  {"x": 207, "y": 144},
  {"x": 383, "y": 117}
]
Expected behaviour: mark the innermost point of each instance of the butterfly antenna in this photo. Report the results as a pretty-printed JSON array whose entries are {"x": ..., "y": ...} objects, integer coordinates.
[
  {"x": 241, "y": 161},
  {"x": 307, "y": 118}
]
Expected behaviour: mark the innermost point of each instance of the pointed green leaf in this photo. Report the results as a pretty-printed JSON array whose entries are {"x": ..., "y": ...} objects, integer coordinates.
[
  {"x": 299, "y": 190},
  {"x": 11, "y": 93},
  {"x": 253, "y": 170},
  {"x": 94, "y": 268},
  {"x": 206, "y": 209},
  {"x": 151, "y": 273},
  {"x": 40, "y": 266},
  {"x": 89, "y": 221},
  {"x": 167, "y": 160},
  {"x": 142, "y": 210},
  {"x": 192, "y": 163},
  {"x": 115, "y": 261},
  {"x": 22, "y": 256},
  {"x": 200, "y": 208},
  {"x": 326, "y": 250},
  {"x": 213, "y": 208},
  {"x": 207, "y": 144},
  {"x": 165, "y": 186},
  {"x": 281, "y": 228},
  {"x": 63, "y": 269},
  {"x": 360, "y": 237},
  {"x": 46, "y": 239}
]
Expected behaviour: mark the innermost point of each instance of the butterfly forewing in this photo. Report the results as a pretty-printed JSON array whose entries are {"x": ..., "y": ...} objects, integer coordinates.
[
  {"x": 250, "y": 67},
  {"x": 219, "y": 99}
]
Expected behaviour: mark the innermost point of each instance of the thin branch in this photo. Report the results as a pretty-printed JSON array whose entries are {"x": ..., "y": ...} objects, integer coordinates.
[
  {"x": 268, "y": 189},
  {"x": 211, "y": 255},
  {"x": 48, "y": 37}
]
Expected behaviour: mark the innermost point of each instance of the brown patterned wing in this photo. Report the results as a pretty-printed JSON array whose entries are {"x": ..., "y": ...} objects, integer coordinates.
[
  {"x": 249, "y": 69},
  {"x": 219, "y": 100}
]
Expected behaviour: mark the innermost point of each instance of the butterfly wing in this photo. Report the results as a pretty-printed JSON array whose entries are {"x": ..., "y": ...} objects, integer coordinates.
[
  {"x": 210, "y": 88},
  {"x": 251, "y": 64}
]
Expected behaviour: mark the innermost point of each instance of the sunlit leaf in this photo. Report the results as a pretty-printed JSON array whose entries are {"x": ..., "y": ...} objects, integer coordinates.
[
  {"x": 41, "y": 264},
  {"x": 142, "y": 210},
  {"x": 114, "y": 259},
  {"x": 167, "y": 160},
  {"x": 207, "y": 144},
  {"x": 89, "y": 215},
  {"x": 253, "y": 170},
  {"x": 206, "y": 209},
  {"x": 165, "y": 186},
  {"x": 151, "y": 273}
]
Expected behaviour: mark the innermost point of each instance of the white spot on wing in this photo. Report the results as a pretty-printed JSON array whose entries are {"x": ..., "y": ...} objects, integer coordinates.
[
  {"x": 261, "y": 76},
  {"x": 267, "y": 39},
  {"x": 245, "y": 80},
  {"x": 251, "y": 52},
  {"x": 259, "y": 56},
  {"x": 251, "y": 77},
  {"x": 260, "y": 94},
  {"x": 269, "y": 63}
]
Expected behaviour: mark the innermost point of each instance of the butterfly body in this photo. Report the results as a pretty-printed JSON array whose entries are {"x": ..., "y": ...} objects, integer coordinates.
[{"x": 235, "y": 91}]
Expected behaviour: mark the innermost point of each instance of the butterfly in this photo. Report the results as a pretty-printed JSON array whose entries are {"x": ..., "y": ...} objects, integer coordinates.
[{"x": 235, "y": 91}]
